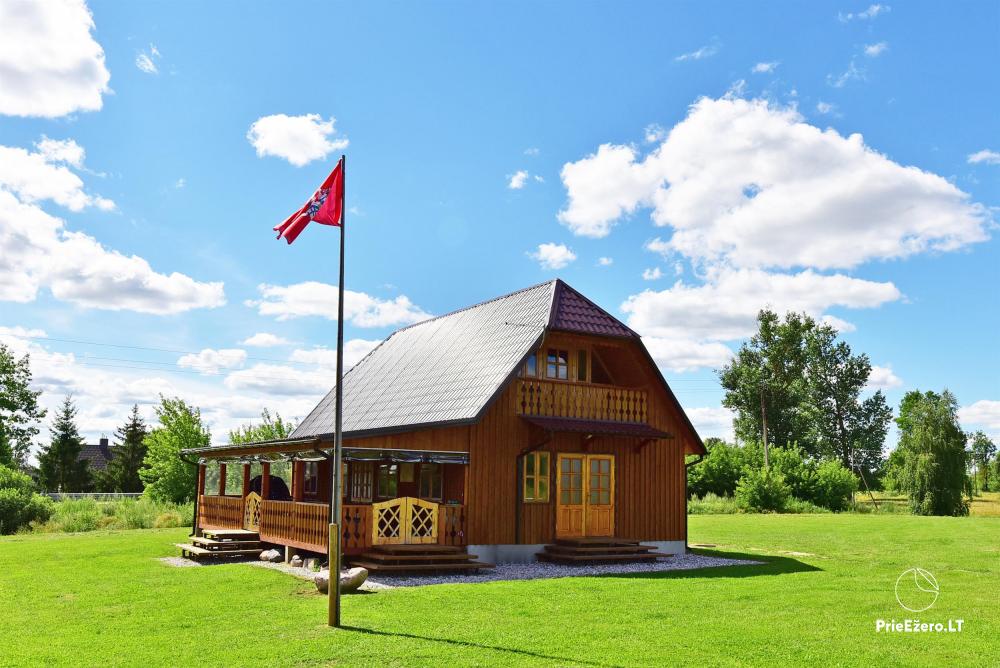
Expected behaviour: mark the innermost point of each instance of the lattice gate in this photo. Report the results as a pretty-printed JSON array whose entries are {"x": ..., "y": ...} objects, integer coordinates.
[
  {"x": 406, "y": 520},
  {"x": 251, "y": 512}
]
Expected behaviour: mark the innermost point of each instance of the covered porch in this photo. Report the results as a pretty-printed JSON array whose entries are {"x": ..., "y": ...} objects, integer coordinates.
[{"x": 279, "y": 494}]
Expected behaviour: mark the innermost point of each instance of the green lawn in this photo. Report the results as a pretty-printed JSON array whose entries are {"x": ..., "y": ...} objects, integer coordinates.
[{"x": 102, "y": 599}]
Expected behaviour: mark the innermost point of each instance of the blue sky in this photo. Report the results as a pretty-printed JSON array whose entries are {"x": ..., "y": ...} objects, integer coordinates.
[{"x": 729, "y": 176}]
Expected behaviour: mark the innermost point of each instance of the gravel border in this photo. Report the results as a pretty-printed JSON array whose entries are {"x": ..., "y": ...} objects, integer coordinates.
[
  {"x": 544, "y": 570},
  {"x": 538, "y": 570}
]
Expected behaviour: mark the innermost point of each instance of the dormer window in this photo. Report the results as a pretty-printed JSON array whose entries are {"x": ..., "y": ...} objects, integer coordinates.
[
  {"x": 531, "y": 366},
  {"x": 557, "y": 364}
]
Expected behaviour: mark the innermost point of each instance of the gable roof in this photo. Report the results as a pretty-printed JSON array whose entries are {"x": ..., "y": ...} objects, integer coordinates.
[
  {"x": 98, "y": 454},
  {"x": 446, "y": 370}
]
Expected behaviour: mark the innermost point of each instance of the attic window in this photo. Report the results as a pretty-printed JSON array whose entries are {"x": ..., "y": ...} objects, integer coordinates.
[
  {"x": 557, "y": 364},
  {"x": 531, "y": 365}
]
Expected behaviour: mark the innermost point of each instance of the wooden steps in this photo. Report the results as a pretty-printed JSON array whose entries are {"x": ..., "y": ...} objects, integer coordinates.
[
  {"x": 417, "y": 558},
  {"x": 222, "y": 544},
  {"x": 598, "y": 550}
]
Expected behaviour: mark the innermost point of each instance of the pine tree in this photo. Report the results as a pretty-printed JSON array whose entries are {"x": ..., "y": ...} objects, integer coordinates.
[
  {"x": 59, "y": 466},
  {"x": 122, "y": 473}
]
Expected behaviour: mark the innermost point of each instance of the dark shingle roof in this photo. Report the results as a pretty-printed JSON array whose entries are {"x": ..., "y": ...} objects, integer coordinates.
[
  {"x": 98, "y": 454},
  {"x": 446, "y": 369}
]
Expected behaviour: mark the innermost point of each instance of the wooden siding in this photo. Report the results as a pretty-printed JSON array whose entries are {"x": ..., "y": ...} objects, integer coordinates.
[{"x": 650, "y": 503}]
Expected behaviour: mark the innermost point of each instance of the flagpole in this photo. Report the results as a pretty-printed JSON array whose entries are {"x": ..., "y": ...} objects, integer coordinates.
[{"x": 333, "y": 556}]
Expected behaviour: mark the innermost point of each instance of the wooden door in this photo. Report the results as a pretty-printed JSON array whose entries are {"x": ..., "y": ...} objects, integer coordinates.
[
  {"x": 570, "y": 496},
  {"x": 600, "y": 507},
  {"x": 585, "y": 496}
]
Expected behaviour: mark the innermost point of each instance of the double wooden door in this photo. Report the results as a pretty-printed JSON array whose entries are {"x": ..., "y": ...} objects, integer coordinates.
[{"x": 585, "y": 495}]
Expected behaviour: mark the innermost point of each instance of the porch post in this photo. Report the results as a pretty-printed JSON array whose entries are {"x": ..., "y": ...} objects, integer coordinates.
[
  {"x": 222, "y": 479},
  {"x": 246, "y": 480},
  {"x": 265, "y": 480},
  {"x": 297, "y": 470},
  {"x": 199, "y": 491}
]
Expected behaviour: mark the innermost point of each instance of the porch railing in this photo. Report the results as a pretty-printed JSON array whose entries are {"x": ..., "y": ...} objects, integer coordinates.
[
  {"x": 301, "y": 525},
  {"x": 582, "y": 401},
  {"x": 220, "y": 512},
  {"x": 305, "y": 525}
]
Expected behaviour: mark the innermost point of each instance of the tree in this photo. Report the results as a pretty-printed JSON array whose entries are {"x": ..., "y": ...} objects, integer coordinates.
[
  {"x": 167, "y": 477},
  {"x": 765, "y": 382},
  {"x": 983, "y": 450},
  {"x": 933, "y": 460},
  {"x": 122, "y": 473},
  {"x": 843, "y": 425},
  {"x": 19, "y": 409},
  {"x": 60, "y": 468},
  {"x": 269, "y": 429}
]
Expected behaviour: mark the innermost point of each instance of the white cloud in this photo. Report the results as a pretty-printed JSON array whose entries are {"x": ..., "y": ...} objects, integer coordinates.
[
  {"x": 42, "y": 175},
  {"x": 838, "y": 324},
  {"x": 354, "y": 351},
  {"x": 61, "y": 150},
  {"x": 983, "y": 414},
  {"x": 985, "y": 156},
  {"x": 297, "y": 139},
  {"x": 698, "y": 54},
  {"x": 825, "y": 107},
  {"x": 725, "y": 308},
  {"x": 883, "y": 378},
  {"x": 180, "y": 183},
  {"x": 681, "y": 355},
  {"x": 280, "y": 379},
  {"x": 264, "y": 340},
  {"x": 531, "y": 151},
  {"x": 39, "y": 251},
  {"x": 745, "y": 183},
  {"x": 876, "y": 50},
  {"x": 210, "y": 361},
  {"x": 553, "y": 256},
  {"x": 652, "y": 274},
  {"x": 653, "y": 133},
  {"x": 712, "y": 421},
  {"x": 764, "y": 68},
  {"x": 852, "y": 73},
  {"x": 872, "y": 12},
  {"x": 518, "y": 179},
  {"x": 312, "y": 298},
  {"x": 605, "y": 261},
  {"x": 50, "y": 64},
  {"x": 146, "y": 64}
]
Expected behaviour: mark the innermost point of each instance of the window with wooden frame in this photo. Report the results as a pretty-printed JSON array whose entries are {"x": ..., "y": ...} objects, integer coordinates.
[
  {"x": 536, "y": 477},
  {"x": 387, "y": 481},
  {"x": 310, "y": 478},
  {"x": 362, "y": 481},
  {"x": 557, "y": 364},
  {"x": 530, "y": 368},
  {"x": 430, "y": 482}
]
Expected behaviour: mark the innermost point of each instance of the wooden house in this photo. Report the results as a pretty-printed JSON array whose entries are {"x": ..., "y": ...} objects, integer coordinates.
[{"x": 533, "y": 425}]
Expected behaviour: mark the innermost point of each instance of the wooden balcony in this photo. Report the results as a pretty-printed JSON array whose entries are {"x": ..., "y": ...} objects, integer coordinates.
[
  {"x": 583, "y": 401},
  {"x": 306, "y": 525}
]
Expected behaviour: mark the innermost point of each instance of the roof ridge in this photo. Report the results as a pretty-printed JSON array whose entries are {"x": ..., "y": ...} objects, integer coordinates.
[{"x": 472, "y": 306}]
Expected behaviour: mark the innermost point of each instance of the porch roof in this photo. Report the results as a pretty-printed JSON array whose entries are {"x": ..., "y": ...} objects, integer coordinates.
[
  {"x": 313, "y": 450},
  {"x": 596, "y": 427}
]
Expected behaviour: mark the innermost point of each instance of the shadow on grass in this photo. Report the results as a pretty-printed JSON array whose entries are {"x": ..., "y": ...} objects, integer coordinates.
[
  {"x": 562, "y": 660},
  {"x": 767, "y": 565}
]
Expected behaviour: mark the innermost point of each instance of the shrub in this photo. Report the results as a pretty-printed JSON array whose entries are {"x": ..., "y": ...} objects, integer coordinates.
[
  {"x": 88, "y": 514},
  {"x": 762, "y": 491},
  {"x": 713, "y": 504},
  {"x": 718, "y": 473},
  {"x": 803, "y": 507},
  {"x": 168, "y": 520},
  {"x": 19, "y": 504},
  {"x": 835, "y": 486}
]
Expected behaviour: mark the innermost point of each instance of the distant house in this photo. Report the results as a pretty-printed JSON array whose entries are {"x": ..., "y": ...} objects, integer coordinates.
[
  {"x": 531, "y": 426},
  {"x": 98, "y": 454}
]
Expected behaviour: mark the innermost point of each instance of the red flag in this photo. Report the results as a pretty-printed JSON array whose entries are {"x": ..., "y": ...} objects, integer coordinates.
[{"x": 325, "y": 207}]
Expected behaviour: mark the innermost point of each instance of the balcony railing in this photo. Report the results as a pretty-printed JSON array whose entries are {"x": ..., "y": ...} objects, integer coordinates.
[{"x": 582, "y": 401}]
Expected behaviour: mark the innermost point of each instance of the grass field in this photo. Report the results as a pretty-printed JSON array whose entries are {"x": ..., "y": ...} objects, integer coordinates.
[
  {"x": 986, "y": 504},
  {"x": 103, "y": 599}
]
